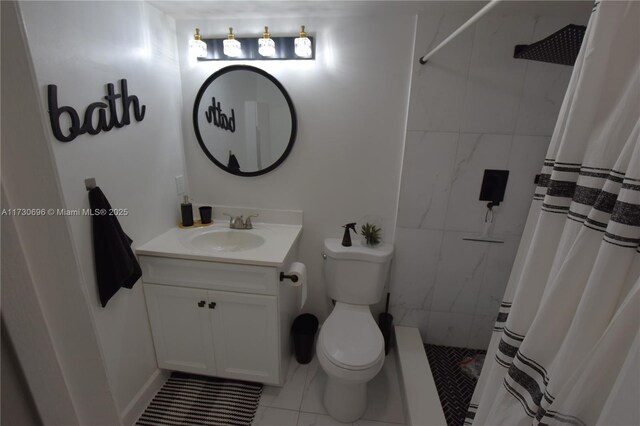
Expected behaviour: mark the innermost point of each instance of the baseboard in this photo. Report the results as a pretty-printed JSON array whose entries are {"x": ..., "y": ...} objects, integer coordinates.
[
  {"x": 144, "y": 396},
  {"x": 422, "y": 404}
]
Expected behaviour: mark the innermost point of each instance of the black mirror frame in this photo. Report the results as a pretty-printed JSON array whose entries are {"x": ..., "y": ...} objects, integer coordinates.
[{"x": 294, "y": 121}]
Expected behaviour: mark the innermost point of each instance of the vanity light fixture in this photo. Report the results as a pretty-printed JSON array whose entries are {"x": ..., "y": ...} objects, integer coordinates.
[
  {"x": 303, "y": 44},
  {"x": 231, "y": 46},
  {"x": 262, "y": 47},
  {"x": 198, "y": 47},
  {"x": 266, "y": 45}
]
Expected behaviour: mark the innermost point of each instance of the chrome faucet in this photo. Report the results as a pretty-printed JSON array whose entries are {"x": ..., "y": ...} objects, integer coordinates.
[{"x": 239, "y": 222}]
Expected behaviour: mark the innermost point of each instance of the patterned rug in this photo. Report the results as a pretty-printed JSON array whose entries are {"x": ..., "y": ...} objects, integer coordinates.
[
  {"x": 455, "y": 387},
  {"x": 187, "y": 399}
]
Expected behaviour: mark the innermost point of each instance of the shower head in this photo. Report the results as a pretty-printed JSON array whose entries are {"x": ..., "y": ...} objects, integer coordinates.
[{"x": 561, "y": 47}]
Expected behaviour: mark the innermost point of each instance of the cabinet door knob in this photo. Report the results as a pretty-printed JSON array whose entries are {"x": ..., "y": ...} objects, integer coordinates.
[
  {"x": 201, "y": 303},
  {"x": 212, "y": 305}
]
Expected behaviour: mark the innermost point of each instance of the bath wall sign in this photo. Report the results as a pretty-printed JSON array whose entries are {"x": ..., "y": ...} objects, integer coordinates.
[{"x": 95, "y": 118}]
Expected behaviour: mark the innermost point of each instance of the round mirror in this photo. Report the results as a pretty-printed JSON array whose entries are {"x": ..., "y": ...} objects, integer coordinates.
[{"x": 244, "y": 120}]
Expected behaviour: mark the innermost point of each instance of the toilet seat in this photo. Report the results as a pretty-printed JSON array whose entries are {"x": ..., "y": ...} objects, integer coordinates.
[{"x": 350, "y": 338}]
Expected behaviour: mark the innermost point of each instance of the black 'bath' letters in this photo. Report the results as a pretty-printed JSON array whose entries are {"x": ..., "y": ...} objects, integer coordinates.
[{"x": 89, "y": 124}]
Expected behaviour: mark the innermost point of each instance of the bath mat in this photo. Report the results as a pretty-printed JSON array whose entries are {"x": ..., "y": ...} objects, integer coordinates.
[
  {"x": 455, "y": 388},
  {"x": 188, "y": 399}
]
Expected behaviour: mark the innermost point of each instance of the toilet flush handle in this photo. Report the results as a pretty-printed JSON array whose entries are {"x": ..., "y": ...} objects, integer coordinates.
[{"x": 324, "y": 255}]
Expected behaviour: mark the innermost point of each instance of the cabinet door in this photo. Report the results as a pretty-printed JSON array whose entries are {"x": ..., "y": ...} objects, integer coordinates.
[
  {"x": 245, "y": 336},
  {"x": 181, "y": 329}
]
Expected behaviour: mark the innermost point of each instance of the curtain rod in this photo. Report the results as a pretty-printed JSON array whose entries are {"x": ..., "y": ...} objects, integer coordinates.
[{"x": 471, "y": 21}]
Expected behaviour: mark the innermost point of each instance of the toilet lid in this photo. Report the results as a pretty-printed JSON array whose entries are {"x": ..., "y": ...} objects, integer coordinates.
[{"x": 351, "y": 338}]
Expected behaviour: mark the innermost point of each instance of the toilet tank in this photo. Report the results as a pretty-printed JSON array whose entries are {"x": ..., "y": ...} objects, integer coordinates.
[{"x": 356, "y": 274}]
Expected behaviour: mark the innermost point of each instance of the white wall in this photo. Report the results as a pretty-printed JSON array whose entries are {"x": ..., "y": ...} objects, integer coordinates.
[
  {"x": 473, "y": 107},
  {"x": 44, "y": 305},
  {"x": 18, "y": 407},
  {"x": 80, "y": 47},
  {"x": 351, "y": 105}
]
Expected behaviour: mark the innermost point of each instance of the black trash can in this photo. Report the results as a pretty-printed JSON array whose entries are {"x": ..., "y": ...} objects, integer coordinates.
[{"x": 304, "y": 333}]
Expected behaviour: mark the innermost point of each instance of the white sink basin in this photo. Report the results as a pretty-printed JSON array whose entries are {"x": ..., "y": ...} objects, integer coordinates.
[
  {"x": 267, "y": 244},
  {"x": 231, "y": 240}
]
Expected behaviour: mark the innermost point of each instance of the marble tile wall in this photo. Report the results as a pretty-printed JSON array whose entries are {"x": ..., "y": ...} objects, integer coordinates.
[{"x": 472, "y": 107}]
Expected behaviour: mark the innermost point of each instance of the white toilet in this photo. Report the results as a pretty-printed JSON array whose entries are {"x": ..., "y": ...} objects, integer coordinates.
[{"x": 350, "y": 346}]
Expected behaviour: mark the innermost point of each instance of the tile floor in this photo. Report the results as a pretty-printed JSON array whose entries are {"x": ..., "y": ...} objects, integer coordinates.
[
  {"x": 455, "y": 387},
  {"x": 299, "y": 401}
]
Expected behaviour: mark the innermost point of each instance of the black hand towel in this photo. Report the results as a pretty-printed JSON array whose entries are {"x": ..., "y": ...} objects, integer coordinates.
[
  {"x": 116, "y": 265},
  {"x": 233, "y": 163}
]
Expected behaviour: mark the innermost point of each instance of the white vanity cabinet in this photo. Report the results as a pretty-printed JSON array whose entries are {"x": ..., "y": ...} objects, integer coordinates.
[
  {"x": 245, "y": 330},
  {"x": 181, "y": 327},
  {"x": 219, "y": 319}
]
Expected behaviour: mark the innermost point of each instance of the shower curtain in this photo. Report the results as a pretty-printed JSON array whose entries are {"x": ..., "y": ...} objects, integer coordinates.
[{"x": 565, "y": 347}]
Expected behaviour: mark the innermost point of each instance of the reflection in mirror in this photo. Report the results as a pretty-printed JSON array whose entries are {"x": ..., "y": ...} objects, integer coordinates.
[{"x": 244, "y": 120}]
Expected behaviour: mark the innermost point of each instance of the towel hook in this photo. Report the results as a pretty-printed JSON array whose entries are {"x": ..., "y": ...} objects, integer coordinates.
[{"x": 90, "y": 183}]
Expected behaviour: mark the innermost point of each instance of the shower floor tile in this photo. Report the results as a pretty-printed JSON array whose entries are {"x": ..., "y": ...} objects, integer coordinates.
[{"x": 455, "y": 387}]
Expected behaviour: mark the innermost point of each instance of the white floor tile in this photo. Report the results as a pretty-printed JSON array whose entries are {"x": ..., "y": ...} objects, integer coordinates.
[
  {"x": 313, "y": 389},
  {"x": 313, "y": 419},
  {"x": 384, "y": 395},
  {"x": 267, "y": 416},
  {"x": 288, "y": 396}
]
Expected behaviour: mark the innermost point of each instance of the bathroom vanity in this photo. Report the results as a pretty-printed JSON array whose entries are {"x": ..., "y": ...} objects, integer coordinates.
[{"x": 216, "y": 303}]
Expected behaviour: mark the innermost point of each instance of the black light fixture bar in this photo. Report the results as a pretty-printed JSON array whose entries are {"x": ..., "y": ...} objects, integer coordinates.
[{"x": 285, "y": 50}]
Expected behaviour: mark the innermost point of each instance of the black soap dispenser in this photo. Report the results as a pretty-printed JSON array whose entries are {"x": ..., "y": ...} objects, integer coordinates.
[
  {"x": 186, "y": 210},
  {"x": 346, "y": 240}
]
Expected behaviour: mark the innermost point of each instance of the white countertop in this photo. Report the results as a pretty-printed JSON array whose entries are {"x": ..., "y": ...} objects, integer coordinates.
[{"x": 279, "y": 239}]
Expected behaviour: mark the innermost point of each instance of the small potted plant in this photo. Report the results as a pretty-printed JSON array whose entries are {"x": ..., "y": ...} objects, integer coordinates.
[{"x": 371, "y": 234}]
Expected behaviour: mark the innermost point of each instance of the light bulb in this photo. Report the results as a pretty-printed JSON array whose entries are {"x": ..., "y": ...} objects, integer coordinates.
[
  {"x": 231, "y": 46},
  {"x": 197, "y": 47},
  {"x": 303, "y": 44},
  {"x": 266, "y": 45}
]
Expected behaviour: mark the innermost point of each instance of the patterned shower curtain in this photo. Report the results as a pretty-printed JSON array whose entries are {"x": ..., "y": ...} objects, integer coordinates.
[{"x": 565, "y": 347}]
